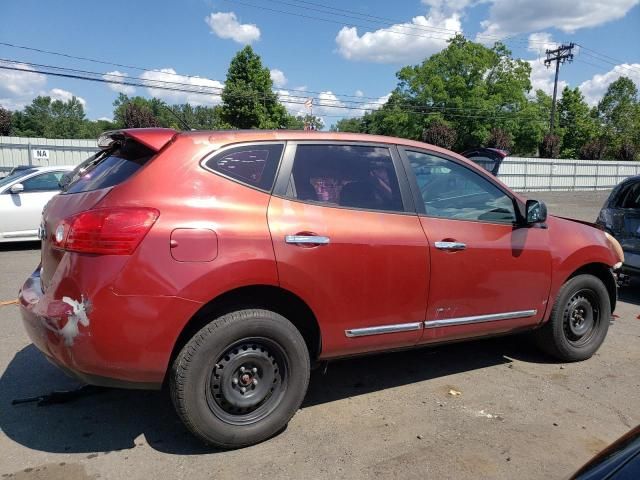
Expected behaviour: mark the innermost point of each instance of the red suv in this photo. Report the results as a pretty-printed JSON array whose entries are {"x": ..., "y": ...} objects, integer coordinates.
[{"x": 227, "y": 263}]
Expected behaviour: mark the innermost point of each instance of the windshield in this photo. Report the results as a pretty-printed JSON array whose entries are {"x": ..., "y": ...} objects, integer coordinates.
[{"x": 14, "y": 176}]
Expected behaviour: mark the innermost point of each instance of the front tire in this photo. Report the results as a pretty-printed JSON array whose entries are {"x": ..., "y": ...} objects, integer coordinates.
[
  {"x": 241, "y": 378},
  {"x": 579, "y": 320}
]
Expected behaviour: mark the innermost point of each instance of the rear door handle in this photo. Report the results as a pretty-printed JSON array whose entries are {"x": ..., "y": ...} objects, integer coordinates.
[
  {"x": 306, "y": 240},
  {"x": 450, "y": 246}
]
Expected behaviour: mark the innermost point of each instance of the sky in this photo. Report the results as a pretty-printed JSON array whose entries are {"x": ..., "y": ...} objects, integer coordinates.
[{"x": 341, "y": 53}]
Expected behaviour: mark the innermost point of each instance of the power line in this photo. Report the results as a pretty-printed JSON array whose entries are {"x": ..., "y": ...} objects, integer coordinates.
[
  {"x": 173, "y": 86},
  {"x": 119, "y": 79},
  {"x": 144, "y": 69}
]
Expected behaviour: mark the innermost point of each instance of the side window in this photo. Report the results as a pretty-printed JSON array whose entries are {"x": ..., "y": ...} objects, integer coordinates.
[
  {"x": 254, "y": 165},
  {"x": 346, "y": 175},
  {"x": 47, "y": 182},
  {"x": 450, "y": 190}
]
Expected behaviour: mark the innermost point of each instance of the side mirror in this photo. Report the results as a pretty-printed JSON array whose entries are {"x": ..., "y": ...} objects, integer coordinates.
[
  {"x": 536, "y": 212},
  {"x": 16, "y": 188}
]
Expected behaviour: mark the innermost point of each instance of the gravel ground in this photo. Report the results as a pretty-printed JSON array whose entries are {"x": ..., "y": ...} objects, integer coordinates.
[{"x": 519, "y": 415}]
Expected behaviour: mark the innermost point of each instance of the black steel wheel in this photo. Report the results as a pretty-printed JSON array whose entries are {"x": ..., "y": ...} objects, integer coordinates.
[
  {"x": 241, "y": 378},
  {"x": 579, "y": 320},
  {"x": 248, "y": 381}
]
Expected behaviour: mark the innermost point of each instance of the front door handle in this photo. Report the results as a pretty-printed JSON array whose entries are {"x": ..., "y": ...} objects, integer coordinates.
[
  {"x": 450, "y": 246},
  {"x": 309, "y": 240}
]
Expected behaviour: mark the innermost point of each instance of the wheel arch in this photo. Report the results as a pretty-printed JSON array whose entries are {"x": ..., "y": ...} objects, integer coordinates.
[
  {"x": 602, "y": 272},
  {"x": 268, "y": 297}
]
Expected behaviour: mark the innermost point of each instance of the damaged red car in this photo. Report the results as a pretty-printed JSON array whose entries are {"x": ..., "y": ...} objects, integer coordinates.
[{"x": 226, "y": 264}]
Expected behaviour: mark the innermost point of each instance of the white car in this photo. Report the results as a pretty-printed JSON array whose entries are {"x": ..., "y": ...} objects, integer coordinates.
[{"x": 23, "y": 195}]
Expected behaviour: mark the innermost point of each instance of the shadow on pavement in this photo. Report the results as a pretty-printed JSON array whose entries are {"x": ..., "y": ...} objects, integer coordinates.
[
  {"x": 630, "y": 293},
  {"x": 19, "y": 246},
  {"x": 114, "y": 420}
]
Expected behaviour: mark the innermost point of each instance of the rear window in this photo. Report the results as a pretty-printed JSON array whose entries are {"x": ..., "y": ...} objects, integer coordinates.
[
  {"x": 254, "y": 165},
  {"x": 630, "y": 196},
  {"x": 109, "y": 168}
]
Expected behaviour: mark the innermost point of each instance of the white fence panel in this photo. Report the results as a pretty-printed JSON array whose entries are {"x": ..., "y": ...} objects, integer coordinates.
[
  {"x": 16, "y": 151},
  {"x": 545, "y": 174}
]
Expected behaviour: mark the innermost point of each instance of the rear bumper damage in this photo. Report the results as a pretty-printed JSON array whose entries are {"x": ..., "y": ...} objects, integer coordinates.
[{"x": 102, "y": 338}]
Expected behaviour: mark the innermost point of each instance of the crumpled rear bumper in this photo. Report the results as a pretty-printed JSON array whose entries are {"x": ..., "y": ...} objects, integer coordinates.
[{"x": 102, "y": 338}]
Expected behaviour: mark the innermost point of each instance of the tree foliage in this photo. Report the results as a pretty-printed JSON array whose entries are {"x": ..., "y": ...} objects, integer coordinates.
[
  {"x": 439, "y": 134},
  {"x": 499, "y": 138},
  {"x": 50, "y": 118},
  {"x": 5, "y": 121},
  {"x": 470, "y": 87},
  {"x": 248, "y": 99},
  {"x": 550, "y": 146}
]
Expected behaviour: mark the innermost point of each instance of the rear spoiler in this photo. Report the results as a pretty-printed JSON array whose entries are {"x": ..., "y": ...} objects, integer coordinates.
[{"x": 153, "y": 138}]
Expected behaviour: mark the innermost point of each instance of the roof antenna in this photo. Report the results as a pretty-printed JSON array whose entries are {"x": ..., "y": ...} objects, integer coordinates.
[{"x": 180, "y": 119}]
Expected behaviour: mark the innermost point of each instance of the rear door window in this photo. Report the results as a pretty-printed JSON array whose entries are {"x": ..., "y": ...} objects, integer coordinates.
[
  {"x": 254, "y": 165},
  {"x": 108, "y": 168},
  {"x": 349, "y": 176}
]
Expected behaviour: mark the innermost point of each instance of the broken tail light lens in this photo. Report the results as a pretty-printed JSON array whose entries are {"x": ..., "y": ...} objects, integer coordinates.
[{"x": 105, "y": 231}]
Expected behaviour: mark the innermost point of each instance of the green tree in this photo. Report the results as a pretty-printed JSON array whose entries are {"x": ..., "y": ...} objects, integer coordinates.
[
  {"x": 5, "y": 121},
  {"x": 352, "y": 125},
  {"x": 50, "y": 118},
  {"x": 576, "y": 125},
  {"x": 468, "y": 86},
  {"x": 619, "y": 115},
  {"x": 248, "y": 99},
  {"x": 440, "y": 134}
]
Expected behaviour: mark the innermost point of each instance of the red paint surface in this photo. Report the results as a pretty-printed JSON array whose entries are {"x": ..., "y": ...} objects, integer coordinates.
[{"x": 379, "y": 268}]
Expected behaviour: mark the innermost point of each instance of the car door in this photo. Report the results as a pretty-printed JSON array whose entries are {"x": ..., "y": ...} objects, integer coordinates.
[
  {"x": 347, "y": 242},
  {"x": 20, "y": 213},
  {"x": 489, "y": 274}
]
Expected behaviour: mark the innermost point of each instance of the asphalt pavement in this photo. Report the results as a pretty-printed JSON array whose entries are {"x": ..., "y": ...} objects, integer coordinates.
[{"x": 518, "y": 413}]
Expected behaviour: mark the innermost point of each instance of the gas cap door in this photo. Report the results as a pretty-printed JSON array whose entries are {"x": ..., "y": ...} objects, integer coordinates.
[{"x": 193, "y": 245}]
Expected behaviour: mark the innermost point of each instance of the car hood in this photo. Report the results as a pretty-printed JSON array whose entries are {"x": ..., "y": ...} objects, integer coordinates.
[{"x": 583, "y": 222}]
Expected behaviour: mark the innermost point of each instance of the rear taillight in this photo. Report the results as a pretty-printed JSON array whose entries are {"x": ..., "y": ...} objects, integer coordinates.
[{"x": 106, "y": 231}]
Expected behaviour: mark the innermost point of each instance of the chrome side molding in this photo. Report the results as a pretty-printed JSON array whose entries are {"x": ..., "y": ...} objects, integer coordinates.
[
  {"x": 449, "y": 322},
  {"x": 400, "y": 327}
]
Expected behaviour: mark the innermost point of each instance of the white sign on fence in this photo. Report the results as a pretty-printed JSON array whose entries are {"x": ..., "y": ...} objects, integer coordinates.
[{"x": 40, "y": 154}]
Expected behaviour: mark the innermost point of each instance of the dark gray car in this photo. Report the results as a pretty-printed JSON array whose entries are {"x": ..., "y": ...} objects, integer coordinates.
[{"x": 620, "y": 216}]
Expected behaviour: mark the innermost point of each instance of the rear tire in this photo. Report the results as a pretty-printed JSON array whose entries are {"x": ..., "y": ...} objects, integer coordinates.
[
  {"x": 241, "y": 378},
  {"x": 579, "y": 320}
]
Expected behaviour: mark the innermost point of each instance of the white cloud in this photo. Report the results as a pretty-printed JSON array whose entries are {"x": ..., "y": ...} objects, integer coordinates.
[
  {"x": 65, "y": 96},
  {"x": 542, "y": 78},
  {"x": 20, "y": 83},
  {"x": 106, "y": 119},
  {"x": 278, "y": 78},
  {"x": 594, "y": 88},
  {"x": 19, "y": 88},
  {"x": 541, "y": 41},
  {"x": 359, "y": 93},
  {"x": 226, "y": 25},
  {"x": 509, "y": 17},
  {"x": 119, "y": 77},
  {"x": 387, "y": 45},
  {"x": 211, "y": 95}
]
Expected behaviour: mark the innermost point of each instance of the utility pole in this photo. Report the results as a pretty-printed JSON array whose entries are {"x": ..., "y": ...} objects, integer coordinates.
[{"x": 560, "y": 55}]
